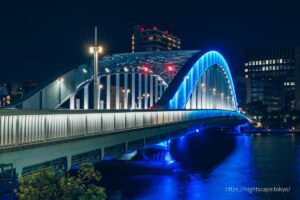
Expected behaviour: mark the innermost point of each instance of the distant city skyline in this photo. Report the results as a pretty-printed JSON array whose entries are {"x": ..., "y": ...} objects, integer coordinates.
[{"x": 39, "y": 40}]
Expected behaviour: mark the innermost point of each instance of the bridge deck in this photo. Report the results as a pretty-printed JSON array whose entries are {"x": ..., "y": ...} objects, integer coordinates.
[{"x": 21, "y": 128}]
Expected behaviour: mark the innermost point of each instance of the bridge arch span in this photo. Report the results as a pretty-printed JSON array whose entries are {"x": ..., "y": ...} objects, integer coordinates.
[{"x": 180, "y": 90}]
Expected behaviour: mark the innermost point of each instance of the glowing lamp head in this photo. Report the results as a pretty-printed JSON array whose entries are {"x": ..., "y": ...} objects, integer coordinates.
[
  {"x": 100, "y": 49},
  {"x": 107, "y": 70},
  {"x": 96, "y": 49},
  {"x": 91, "y": 50}
]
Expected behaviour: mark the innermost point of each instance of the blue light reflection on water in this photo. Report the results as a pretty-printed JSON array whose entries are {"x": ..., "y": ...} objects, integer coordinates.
[{"x": 248, "y": 161}]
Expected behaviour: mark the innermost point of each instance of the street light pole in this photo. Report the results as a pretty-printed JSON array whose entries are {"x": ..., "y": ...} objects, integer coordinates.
[
  {"x": 96, "y": 50},
  {"x": 96, "y": 80}
]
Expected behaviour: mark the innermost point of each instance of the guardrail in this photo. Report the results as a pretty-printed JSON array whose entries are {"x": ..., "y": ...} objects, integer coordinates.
[{"x": 19, "y": 127}]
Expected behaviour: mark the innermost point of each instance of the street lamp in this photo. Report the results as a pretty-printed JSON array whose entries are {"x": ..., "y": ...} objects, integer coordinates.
[{"x": 96, "y": 50}]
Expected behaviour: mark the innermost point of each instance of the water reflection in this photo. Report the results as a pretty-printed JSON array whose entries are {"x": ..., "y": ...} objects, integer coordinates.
[{"x": 213, "y": 162}]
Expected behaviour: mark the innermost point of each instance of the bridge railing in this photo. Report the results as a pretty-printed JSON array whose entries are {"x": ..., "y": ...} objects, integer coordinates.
[{"x": 19, "y": 128}]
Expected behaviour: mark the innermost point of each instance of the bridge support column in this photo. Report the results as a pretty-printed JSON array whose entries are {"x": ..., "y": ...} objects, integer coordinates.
[
  {"x": 156, "y": 89},
  {"x": 69, "y": 163},
  {"x": 133, "y": 91},
  {"x": 151, "y": 90},
  {"x": 72, "y": 102},
  {"x": 99, "y": 97},
  {"x": 203, "y": 89},
  {"x": 193, "y": 98},
  {"x": 108, "y": 92},
  {"x": 199, "y": 96},
  {"x": 117, "y": 91},
  {"x": 140, "y": 91},
  {"x": 146, "y": 92},
  {"x": 126, "y": 91},
  {"x": 86, "y": 97},
  {"x": 160, "y": 88}
]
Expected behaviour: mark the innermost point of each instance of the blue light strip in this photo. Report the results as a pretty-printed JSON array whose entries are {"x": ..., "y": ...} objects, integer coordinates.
[{"x": 185, "y": 90}]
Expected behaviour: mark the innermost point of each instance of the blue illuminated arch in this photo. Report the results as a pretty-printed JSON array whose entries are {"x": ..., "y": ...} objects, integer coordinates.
[{"x": 179, "y": 93}]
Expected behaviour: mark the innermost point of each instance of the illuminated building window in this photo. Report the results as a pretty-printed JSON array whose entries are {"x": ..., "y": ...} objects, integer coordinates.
[
  {"x": 246, "y": 70},
  {"x": 246, "y": 64},
  {"x": 292, "y": 83},
  {"x": 280, "y": 61},
  {"x": 267, "y": 62},
  {"x": 288, "y": 83},
  {"x": 259, "y": 62},
  {"x": 150, "y": 38},
  {"x": 274, "y": 68},
  {"x": 263, "y": 68},
  {"x": 246, "y": 76}
]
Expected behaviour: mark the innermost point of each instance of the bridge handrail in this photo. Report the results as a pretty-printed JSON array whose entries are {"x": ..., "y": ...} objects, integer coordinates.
[{"x": 19, "y": 128}]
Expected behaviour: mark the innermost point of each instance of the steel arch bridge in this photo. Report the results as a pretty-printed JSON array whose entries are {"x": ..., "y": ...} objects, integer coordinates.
[{"x": 144, "y": 80}]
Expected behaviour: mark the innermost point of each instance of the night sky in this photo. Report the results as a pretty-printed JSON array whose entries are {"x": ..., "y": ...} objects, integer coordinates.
[{"x": 38, "y": 39}]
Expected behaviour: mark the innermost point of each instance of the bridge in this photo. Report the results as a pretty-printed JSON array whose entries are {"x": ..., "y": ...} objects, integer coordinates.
[{"x": 144, "y": 98}]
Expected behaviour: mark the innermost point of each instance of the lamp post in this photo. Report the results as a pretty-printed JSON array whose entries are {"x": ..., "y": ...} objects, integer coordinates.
[{"x": 96, "y": 50}]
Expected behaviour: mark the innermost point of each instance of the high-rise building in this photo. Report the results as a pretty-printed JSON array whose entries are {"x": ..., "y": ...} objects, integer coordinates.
[
  {"x": 153, "y": 39},
  {"x": 274, "y": 77}
]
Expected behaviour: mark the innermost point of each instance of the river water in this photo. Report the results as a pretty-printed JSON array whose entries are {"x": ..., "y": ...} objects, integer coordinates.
[{"x": 219, "y": 166}]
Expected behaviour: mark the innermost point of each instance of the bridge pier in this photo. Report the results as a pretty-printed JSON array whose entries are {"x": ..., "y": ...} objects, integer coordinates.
[{"x": 69, "y": 163}]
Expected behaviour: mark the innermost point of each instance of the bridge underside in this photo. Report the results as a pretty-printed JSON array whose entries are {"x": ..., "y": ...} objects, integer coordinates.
[{"x": 62, "y": 154}]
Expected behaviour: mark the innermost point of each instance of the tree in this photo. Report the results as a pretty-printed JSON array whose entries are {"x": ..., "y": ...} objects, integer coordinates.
[{"x": 47, "y": 185}]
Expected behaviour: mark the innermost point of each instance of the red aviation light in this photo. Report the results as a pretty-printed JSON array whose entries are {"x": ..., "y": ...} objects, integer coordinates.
[
  {"x": 146, "y": 69},
  {"x": 170, "y": 68}
]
